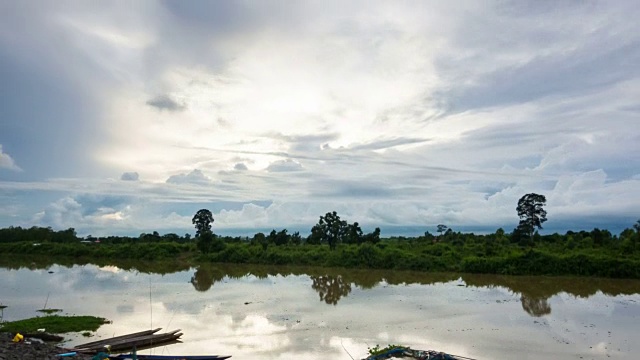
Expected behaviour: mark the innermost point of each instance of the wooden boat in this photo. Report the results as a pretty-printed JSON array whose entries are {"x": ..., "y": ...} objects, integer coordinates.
[
  {"x": 102, "y": 343},
  {"x": 128, "y": 342},
  {"x": 138, "y": 341},
  {"x": 170, "y": 357}
]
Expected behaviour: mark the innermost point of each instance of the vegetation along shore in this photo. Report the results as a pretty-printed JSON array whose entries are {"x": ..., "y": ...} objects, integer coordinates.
[{"x": 334, "y": 242}]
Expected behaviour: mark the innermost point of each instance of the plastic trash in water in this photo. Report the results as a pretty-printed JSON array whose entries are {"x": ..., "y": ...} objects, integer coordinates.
[
  {"x": 18, "y": 338},
  {"x": 69, "y": 354}
]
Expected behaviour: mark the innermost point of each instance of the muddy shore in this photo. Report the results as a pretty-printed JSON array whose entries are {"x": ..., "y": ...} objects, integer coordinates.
[{"x": 31, "y": 350}]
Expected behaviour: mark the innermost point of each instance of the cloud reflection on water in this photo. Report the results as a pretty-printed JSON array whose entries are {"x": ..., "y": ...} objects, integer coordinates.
[{"x": 284, "y": 313}]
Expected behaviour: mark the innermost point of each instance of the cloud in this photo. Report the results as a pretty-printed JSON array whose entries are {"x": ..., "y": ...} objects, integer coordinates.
[
  {"x": 164, "y": 102},
  {"x": 7, "y": 162},
  {"x": 426, "y": 116},
  {"x": 284, "y": 166},
  {"x": 385, "y": 144},
  {"x": 240, "y": 167},
  {"x": 195, "y": 177},
  {"x": 129, "y": 176}
]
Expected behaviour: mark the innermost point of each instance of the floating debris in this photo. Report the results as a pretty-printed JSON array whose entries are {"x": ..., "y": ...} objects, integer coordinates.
[{"x": 406, "y": 352}]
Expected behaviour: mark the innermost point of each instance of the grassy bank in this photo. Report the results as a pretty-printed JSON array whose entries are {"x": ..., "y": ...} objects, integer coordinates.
[{"x": 54, "y": 324}]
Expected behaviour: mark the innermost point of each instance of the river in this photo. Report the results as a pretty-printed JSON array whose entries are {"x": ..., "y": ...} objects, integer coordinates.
[{"x": 254, "y": 312}]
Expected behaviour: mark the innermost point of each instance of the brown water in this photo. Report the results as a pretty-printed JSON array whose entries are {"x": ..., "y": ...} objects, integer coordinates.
[{"x": 308, "y": 313}]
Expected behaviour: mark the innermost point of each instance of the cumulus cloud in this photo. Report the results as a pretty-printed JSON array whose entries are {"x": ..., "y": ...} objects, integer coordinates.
[
  {"x": 7, "y": 162},
  {"x": 195, "y": 177},
  {"x": 130, "y": 176}
]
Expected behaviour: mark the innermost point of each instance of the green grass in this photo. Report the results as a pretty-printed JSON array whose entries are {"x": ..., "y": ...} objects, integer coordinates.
[
  {"x": 55, "y": 324},
  {"x": 49, "y": 311}
]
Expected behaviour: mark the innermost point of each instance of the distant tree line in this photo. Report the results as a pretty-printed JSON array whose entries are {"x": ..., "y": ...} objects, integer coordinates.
[{"x": 335, "y": 242}]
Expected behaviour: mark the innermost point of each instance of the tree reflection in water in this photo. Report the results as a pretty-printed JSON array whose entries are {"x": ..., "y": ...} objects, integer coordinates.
[
  {"x": 205, "y": 277},
  {"x": 535, "y": 306},
  {"x": 330, "y": 287},
  {"x": 333, "y": 284}
]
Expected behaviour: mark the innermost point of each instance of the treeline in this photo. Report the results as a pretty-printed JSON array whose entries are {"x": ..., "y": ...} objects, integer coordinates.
[
  {"x": 45, "y": 235},
  {"x": 327, "y": 233},
  {"x": 336, "y": 243}
]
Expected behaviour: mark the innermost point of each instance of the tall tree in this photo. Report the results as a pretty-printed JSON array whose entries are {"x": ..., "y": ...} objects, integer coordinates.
[
  {"x": 442, "y": 228},
  {"x": 531, "y": 212},
  {"x": 204, "y": 237},
  {"x": 353, "y": 234},
  {"x": 331, "y": 228}
]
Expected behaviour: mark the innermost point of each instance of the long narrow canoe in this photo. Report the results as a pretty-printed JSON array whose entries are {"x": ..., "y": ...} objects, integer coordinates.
[
  {"x": 170, "y": 357},
  {"x": 101, "y": 343},
  {"x": 140, "y": 341}
]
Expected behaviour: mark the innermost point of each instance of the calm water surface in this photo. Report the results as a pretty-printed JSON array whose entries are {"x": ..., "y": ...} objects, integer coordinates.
[{"x": 283, "y": 313}]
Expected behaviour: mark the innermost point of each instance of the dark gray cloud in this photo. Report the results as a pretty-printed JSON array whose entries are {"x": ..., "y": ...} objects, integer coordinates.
[
  {"x": 47, "y": 121},
  {"x": 569, "y": 74},
  {"x": 164, "y": 102},
  {"x": 49, "y": 103},
  {"x": 362, "y": 189},
  {"x": 545, "y": 50},
  {"x": 130, "y": 176},
  {"x": 240, "y": 167}
]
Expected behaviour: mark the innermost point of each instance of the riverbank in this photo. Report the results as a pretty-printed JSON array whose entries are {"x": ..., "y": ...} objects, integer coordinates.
[
  {"x": 388, "y": 255},
  {"x": 31, "y": 350}
]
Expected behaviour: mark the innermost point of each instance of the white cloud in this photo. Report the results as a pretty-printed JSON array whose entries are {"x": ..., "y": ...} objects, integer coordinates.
[
  {"x": 7, "y": 162},
  {"x": 194, "y": 177},
  {"x": 391, "y": 113},
  {"x": 284, "y": 166}
]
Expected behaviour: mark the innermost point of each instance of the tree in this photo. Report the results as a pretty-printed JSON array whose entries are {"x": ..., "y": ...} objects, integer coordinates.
[
  {"x": 353, "y": 234},
  {"x": 296, "y": 239},
  {"x": 373, "y": 237},
  {"x": 441, "y": 228},
  {"x": 331, "y": 228},
  {"x": 315, "y": 238},
  {"x": 260, "y": 239},
  {"x": 204, "y": 237},
  {"x": 202, "y": 221},
  {"x": 282, "y": 238},
  {"x": 531, "y": 213}
]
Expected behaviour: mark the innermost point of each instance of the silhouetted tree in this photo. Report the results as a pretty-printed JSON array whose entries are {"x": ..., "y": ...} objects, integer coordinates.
[
  {"x": 204, "y": 237},
  {"x": 441, "y": 228},
  {"x": 372, "y": 237},
  {"x": 531, "y": 213},
  {"x": 331, "y": 228},
  {"x": 353, "y": 234}
]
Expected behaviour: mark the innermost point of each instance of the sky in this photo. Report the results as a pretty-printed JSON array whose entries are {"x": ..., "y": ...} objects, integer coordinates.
[{"x": 125, "y": 117}]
